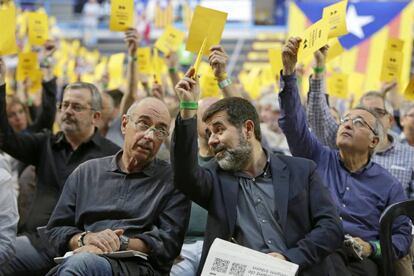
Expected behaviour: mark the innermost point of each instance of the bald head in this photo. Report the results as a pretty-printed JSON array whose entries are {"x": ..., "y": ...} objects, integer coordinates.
[{"x": 151, "y": 106}]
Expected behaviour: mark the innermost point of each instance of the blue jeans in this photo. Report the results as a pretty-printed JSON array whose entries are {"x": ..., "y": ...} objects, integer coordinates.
[
  {"x": 87, "y": 264},
  {"x": 27, "y": 260}
]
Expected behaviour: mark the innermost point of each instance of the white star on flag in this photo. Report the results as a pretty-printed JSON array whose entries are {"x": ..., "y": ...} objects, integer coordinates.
[{"x": 355, "y": 23}]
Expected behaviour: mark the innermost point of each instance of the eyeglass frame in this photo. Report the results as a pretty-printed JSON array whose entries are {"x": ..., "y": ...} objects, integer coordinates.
[
  {"x": 146, "y": 128},
  {"x": 359, "y": 118},
  {"x": 75, "y": 107}
]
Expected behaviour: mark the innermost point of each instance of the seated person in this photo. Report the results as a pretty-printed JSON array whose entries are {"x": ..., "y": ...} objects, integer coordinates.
[
  {"x": 274, "y": 204},
  {"x": 123, "y": 202},
  {"x": 361, "y": 189}
]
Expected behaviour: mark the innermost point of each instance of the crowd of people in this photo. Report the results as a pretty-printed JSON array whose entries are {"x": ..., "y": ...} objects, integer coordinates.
[{"x": 154, "y": 167}]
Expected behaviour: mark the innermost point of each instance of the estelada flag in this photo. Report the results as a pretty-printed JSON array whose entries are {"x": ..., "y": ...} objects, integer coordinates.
[{"x": 370, "y": 25}]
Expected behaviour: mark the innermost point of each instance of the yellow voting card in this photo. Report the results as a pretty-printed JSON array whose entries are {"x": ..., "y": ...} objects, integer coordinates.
[
  {"x": 8, "y": 34},
  {"x": 122, "y": 15},
  {"x": 27, "y": 63},
  {"x": 208, "y": 83},
  {"x": 335, "y": 49},
  {"x": 156, "y": 65},
  {"x": 275, "y": 59},
  {"x": 335, "y": 15},
  {"x": 391, "y": 66},
  {"x": 409, "y": 90},
  {"x": 36, "y": 81},
  {"x": 170, "y": 40},
  {"x": 356, "y": 83},
  {"x": 395, "y": 44},
  {"x": 206, "y": 23},
  {"x": 144, "y": 60},
  {"x": 38, "y": 28},
  {"x": 313, "y": 39},
  {"x": 199, "y": 57},
  {"x": 338, "y": 85},
  {"x": 116, "y": 70}
]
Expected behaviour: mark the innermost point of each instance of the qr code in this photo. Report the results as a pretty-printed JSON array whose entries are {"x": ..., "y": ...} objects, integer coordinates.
[
  {"x": 237, "y": 269},
  {"x": 220, "y": 265}
]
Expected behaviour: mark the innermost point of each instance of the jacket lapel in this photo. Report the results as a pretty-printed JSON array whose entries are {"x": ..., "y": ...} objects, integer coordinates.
[
  {"x": 230, "y": 190},
  {"x": 280, "y": 179}
]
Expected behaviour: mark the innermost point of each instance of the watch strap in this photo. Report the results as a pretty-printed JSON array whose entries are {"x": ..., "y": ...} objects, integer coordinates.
[{"x": 81, "y": 238}]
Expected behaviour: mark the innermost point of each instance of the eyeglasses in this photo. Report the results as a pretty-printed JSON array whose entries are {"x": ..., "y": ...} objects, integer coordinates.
[
  {"x": 75, "y": 106},
  {"x": 159, "y": 133},
  {"x": 410, "y": 115},
  {"x": 358, "y": 122},
  {"x": 380, "y": 111}
]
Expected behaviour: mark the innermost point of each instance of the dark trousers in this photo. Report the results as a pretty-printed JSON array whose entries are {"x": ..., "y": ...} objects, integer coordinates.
[{"x": 346, "y": 265}]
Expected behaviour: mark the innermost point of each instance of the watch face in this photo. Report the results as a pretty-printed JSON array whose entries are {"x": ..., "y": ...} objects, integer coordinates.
[{"x": 124, "y": 240}]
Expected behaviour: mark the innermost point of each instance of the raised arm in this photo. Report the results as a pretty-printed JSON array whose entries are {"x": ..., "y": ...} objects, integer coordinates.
[
  {"x": 218, "y": 61},
  {"x": 132, "y": 41},
  {"x": 293, "y": 119},
  {"x": 192, "y": 180},
  {"x": 320, "y": 119},
  {"x": 24, "y": 147}
]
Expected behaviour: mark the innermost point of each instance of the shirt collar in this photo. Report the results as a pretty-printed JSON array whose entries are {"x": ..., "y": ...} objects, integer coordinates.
[
  {"x": 149, "y": 169},
  {"x": 360, "y": 171},
  {"x": 96, "y": 138},
  {"x": 390, "y": 146},
  {"x": 266, "y": 170}
]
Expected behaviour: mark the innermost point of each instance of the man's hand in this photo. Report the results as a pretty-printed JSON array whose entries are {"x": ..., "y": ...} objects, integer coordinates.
[
  {"x": 320, "y": 56},
  {"x": 2, "y": 71},
  {"x": 366, "y": 247},
  {"x": 290, "y": 55},
  {"x": 218, "y": 61},
  {"x": 132, "y": 41},
  {"x": 172, "y": 60},
  {"x": 187, "y": 89},
  {"x": 88, "y": 249},
  {"x": 106, "y": 240},
  {"x": 388, "y": 87},
  {"x": 277, "y": 255},
  {"x": 157, "y": 91}
]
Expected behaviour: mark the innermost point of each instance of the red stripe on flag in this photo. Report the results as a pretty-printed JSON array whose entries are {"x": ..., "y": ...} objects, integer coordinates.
[
  {"x": 363, "y": 55},
  {"x": 308, "y": 23},
  {"x": 394, "y": 26}
]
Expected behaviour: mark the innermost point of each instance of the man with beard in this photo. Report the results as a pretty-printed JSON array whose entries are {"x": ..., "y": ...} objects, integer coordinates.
[
  {"x": 274, "y": 204},
  {"x": 55, "y": 157},
  {"x": 123, "y": 202}
]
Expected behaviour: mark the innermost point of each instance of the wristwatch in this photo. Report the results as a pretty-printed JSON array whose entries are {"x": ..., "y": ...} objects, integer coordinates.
[
  {"x": 124, "y": 240},
  {"x": 81, "y": 237}
]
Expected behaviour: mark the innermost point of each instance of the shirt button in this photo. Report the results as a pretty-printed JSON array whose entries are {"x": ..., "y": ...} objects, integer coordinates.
[
  {"x": 347, "y": 188},
  {"x": 264, "y": 221},
  {"x": 340, "y": 218},
  {"x": 343, "y": 205},
  {"x": 269, "y": 241},
  {"x": 259, "y": 200}
]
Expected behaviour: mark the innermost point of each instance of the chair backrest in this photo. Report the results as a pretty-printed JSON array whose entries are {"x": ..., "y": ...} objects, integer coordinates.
[{"x": 404, "y": 208}]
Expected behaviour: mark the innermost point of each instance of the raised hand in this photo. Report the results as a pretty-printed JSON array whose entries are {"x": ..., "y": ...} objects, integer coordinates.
[
  {"x": 320, "y": 56},
  {"x": 132, "y": 41},
  {"x": 106, "y": 240},
  {"x": 188, "y": 89},
  {"x": 172, "y": 60},
  {"x": 290, "y": 55},
  {"x": 218, "y": 61}
]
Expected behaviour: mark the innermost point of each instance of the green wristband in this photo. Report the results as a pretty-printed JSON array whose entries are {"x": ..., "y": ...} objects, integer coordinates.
[
  {"x": 189, "y": 105},
  {"x": 318, "y": 70},
  {"x": 172, "y": 70},
  {"x": 377, "y": 249}
]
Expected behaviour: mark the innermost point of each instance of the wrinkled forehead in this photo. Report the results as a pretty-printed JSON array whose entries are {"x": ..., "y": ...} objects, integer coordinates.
[
  {"x": 220, "y": 117},
  {"x": 78, "y": 95},
  {"x": 365, "y": 115},
  {"x": 154, "y": 111}
]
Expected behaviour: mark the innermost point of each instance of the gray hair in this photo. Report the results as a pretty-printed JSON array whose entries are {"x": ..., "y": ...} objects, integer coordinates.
[
  {"x": 271, "y": 99},
  {"x": 378, "y": 127},
  {"x": 96, "y": 98},
  {"x": 374, "y": 94},
  {"x": 406, "y": 108}
]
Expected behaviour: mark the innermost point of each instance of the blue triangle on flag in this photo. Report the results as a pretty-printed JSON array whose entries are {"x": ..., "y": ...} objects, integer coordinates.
[{"x": 381, "y": 12}]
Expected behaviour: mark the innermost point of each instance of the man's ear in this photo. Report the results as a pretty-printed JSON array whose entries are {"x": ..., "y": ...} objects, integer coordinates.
[
  {"x": 96, "y": 116},
  {"x": 374, "y": 142},
  {"x": 249, "y": 127},
  {"x": 124, "y": 122}
]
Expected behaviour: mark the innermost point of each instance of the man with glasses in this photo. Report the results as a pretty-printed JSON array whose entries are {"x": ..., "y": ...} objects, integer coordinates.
[
  {"x": 397, "y": 158},
  {"x": 361, "y": 189},
  {"x": 55, "y": 157},
  {"x": 123, "y": 202}
]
